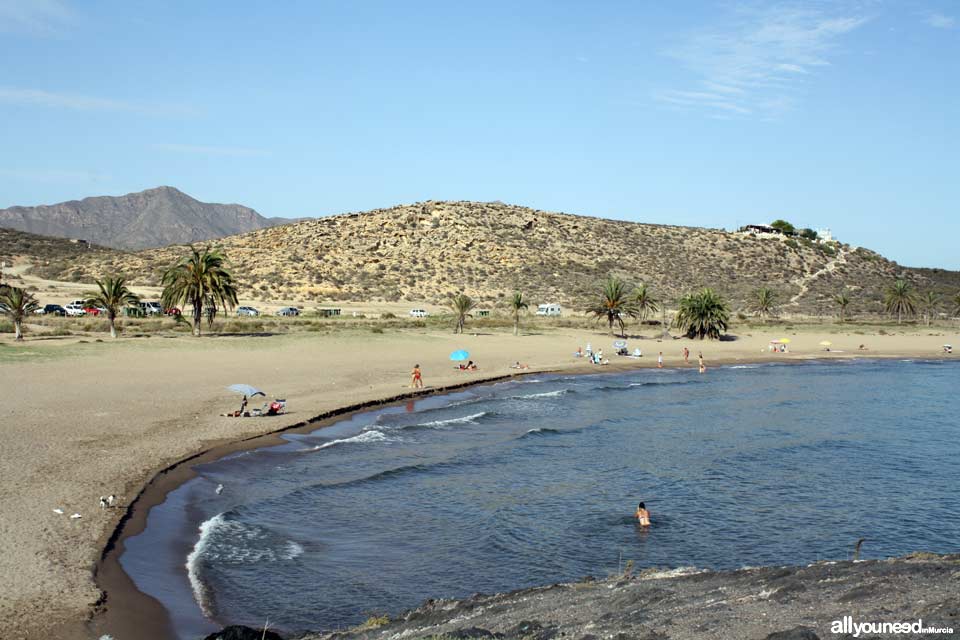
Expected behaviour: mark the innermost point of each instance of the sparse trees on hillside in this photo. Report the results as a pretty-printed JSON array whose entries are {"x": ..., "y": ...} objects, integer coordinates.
[
  {"x": 702, "y": 315},
  {"x": 764, "y": 303},
  {"x": 956, "y": 304},
  {"x": 517, "y": 304},
  {"x": 614, "y": 303},
  {"x": 200, "y": 275},
  {"x": 644, "y": 302},
  {"x": 113, "y": 296},
  {"x": 461, "y": 305},
  {"x": 785, "y": 227},
  {"x": 808, "y": 234},
  {"x": 899, "y": 299},
  {"x": 843, "y": 301},
  {"x": 17, "y": 304}
]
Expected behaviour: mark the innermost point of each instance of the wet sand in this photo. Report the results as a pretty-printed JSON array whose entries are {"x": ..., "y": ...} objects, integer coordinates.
[{"x": 85, "y": 420}]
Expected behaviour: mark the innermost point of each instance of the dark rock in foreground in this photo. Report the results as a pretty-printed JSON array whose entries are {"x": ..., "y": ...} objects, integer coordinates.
[
  {"x": 240, "y": 632},
  {"x": 772, "y": 603}
]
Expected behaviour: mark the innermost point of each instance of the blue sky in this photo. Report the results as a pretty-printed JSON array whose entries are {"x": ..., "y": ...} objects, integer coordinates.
[{"x": 829, "y": 114}]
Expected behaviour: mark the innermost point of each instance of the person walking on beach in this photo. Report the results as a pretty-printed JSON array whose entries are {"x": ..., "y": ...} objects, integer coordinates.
[
  {"x": 703, "y": 367},
  {"x": 686, "y": 355},
  {"x": 642, "y": 515},
  {"x": 416, "y": 378},
  {"x": 660, "y": 361}
]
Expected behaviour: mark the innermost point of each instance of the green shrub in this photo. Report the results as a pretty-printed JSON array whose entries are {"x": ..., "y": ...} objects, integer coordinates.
[{"x": 6, "y": 326}]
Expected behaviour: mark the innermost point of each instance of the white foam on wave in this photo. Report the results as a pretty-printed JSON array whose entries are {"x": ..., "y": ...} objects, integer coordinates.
[
  {"x": 200, "y": 591},
  {"x": 546, "y": 394},
  {"x": 367, "y": 436},
  {"x": 471, "y": 419},
  {"x": 232, "y": 542}
]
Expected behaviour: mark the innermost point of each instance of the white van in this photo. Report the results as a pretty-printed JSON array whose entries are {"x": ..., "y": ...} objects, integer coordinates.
[
  {"x": 548, "y": 310},
  {"x": 418, "y": 313}
]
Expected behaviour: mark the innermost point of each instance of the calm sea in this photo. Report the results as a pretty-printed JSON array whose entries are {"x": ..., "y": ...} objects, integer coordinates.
[{"x": 535, "y": 481}]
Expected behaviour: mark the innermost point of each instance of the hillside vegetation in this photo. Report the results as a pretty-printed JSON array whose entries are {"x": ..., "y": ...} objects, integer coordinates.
[{"x": 425, "y": 252}]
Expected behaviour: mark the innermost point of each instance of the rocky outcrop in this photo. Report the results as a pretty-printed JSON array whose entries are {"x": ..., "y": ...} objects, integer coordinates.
[{"x": 773, "y": 603}]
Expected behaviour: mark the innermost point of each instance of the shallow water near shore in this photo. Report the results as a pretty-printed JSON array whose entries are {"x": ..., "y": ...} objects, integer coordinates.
[{"x": 534, "y": 481}]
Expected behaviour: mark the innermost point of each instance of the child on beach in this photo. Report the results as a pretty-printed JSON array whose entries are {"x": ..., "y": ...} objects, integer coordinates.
[
  {"x": 686, "y": 354},
  {"x": 416, "y": 378},
  {"x": 660, "y": 361}
]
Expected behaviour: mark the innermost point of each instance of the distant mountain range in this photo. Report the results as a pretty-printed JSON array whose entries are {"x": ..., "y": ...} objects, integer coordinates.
[{"x": 153, "y": 218}]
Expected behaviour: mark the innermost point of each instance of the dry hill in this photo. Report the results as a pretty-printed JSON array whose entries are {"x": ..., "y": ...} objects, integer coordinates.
[
  {"x": 424, "y": 252},
  {"x": 152, "y": 218}
]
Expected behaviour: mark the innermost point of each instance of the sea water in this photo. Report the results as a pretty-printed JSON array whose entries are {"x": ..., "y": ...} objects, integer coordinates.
[{"x": 535, "y": 481}]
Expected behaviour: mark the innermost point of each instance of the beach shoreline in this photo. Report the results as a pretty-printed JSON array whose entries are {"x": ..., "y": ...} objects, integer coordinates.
[{"x": 117, "y": 597}]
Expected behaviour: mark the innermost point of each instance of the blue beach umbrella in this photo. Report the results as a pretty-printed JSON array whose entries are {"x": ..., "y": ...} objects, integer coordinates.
[
  {"x": 246, "y": 390},
  {"x": 459, "y": 355}
]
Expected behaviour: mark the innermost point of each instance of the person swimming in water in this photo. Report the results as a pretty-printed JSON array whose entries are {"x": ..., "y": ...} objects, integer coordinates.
[{"x": 643, "y": 516}]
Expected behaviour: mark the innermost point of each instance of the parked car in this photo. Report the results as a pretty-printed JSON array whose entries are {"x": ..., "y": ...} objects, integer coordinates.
[
  {"x": 288, "y": 311},
  {"x": 418, "y": 313},
  {"x": 74, "y": 310},
  {"x": 172, "y": 311},
  {"x": 247, "y": 311},
  {"x": 51, "y": 310},
  {"x": 94, "y": 311},
  {"x": 151, "y": 308}
]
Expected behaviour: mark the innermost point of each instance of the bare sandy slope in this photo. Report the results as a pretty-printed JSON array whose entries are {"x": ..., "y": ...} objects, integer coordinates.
[{"x": 84, "y": 420}]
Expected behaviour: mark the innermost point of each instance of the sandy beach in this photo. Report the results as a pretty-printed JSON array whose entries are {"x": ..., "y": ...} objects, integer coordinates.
[{"x": 83, "y": 420}]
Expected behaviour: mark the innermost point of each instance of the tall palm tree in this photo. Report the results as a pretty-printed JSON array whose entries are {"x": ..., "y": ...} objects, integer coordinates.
[
  {"x": 702, "y": 315},
  {"x": 929, "y": 301},
  {"x": 113, "y": 296},
  {"x": 17, "y": 303},
  {"x": 644, "y": 301},
  {"x": 843, "y": 301},
  {"x": 899, "y": 299},
  {"x": 764, "y": 303},
  {"x": 517, "y": 304},
  {"x": 462, "y": 305},
  {"x": 614, "y": 303},
  {"x": 194, "y": 278}
]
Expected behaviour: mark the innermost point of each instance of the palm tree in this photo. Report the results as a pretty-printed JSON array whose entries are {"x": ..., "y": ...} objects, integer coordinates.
[
  {"x": 899, "y": 299},
  {"x": 113, "y": 296},
  {"x": 613, "y": 303},
  {"x": 644, "y": 301},
  {"x": 702, "y": 315},
  {"x": 194, "y": 278},
  {"x": 17, "y": 303},
  {"x": 930, "y": 301},
  {"x": 517, "y": 304},
  {"x": 764, "y": 303},
  {"x": 843, "y": 301},
  {"x": 462, "y": 305}
]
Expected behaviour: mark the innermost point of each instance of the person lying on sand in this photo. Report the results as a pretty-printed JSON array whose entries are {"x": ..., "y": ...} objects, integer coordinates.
[{"x": 517, "y": 365}]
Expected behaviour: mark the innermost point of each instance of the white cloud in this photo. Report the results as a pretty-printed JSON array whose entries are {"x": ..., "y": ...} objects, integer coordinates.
[
  {"x": 36, "y": 17},
  {"x": 755, "y": 62},
  {"x": 40, "y": 98},
  {"x": 940, "y": 21},
  {"x": 240, "y": 152}
]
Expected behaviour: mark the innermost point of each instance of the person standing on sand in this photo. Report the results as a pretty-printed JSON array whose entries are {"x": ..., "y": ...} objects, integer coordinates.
[
  {"x": 660, "y": 361},
  {"x": 416, "y": 378},
  {"x": 703, "y": 367},
  {"x": 642, "y": 515},
  {"x": 686, "y": 355}
]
